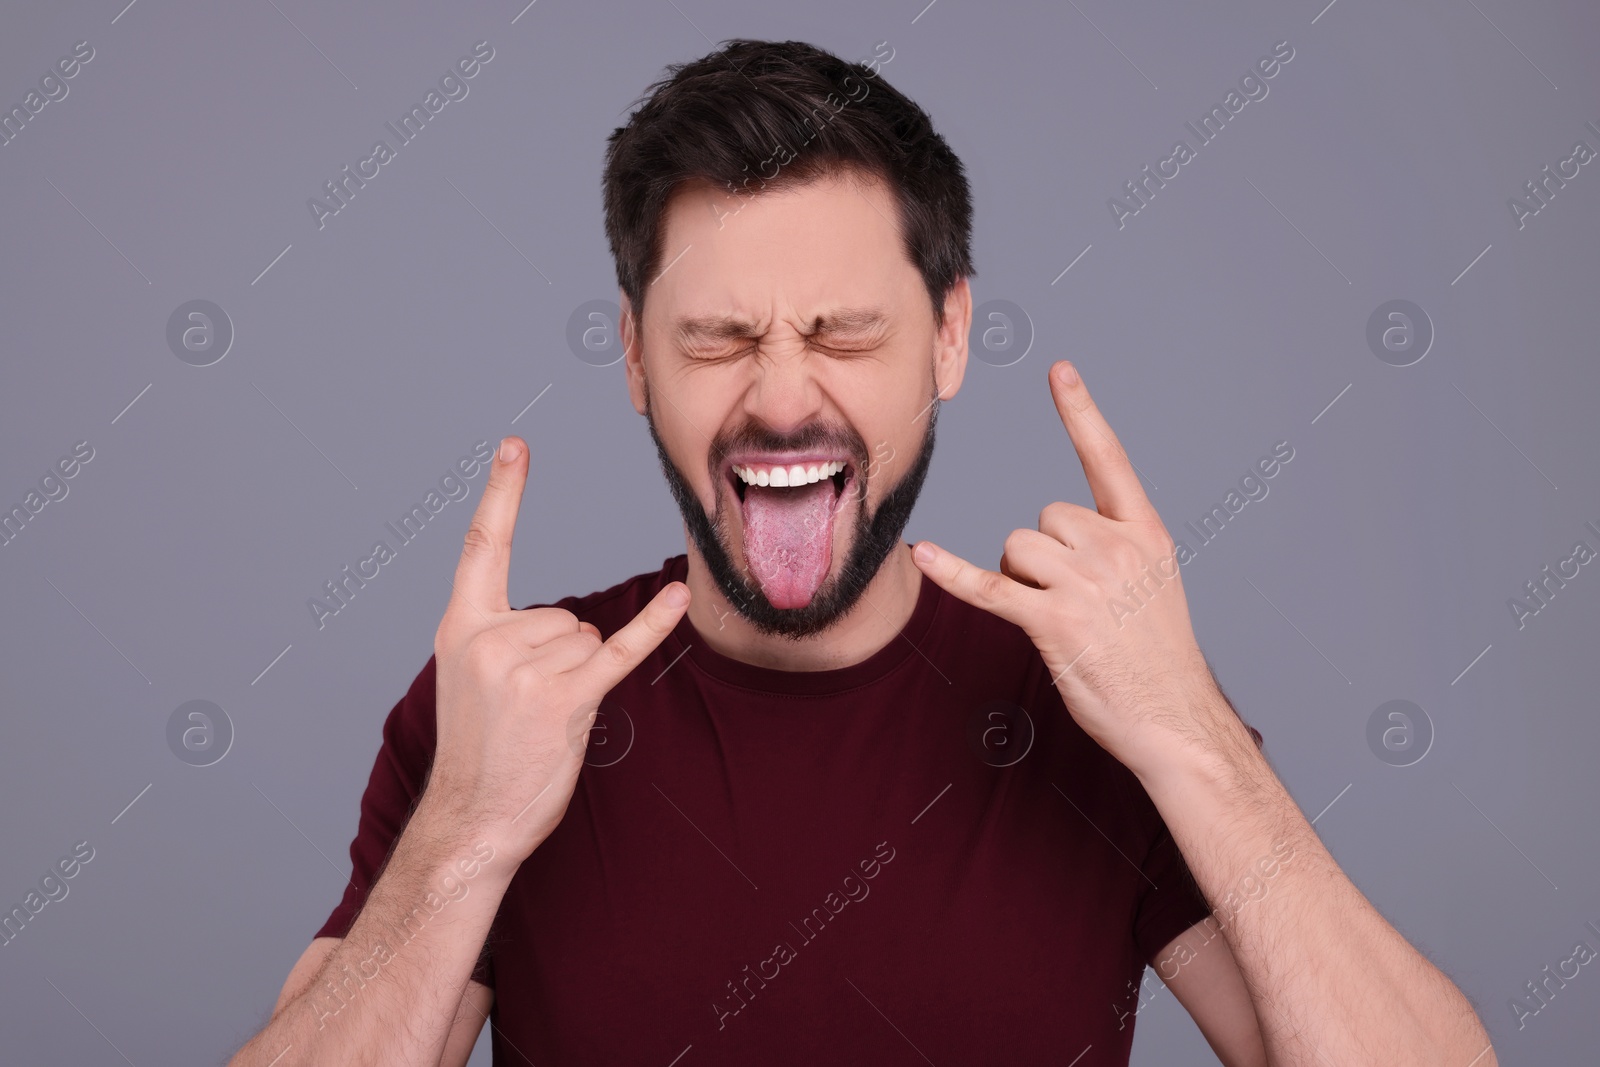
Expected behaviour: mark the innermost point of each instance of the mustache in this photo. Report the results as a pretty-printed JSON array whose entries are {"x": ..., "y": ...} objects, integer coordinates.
[{"x": 813, "y": 436}]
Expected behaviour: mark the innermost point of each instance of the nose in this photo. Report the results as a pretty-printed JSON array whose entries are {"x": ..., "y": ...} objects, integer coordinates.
[{"x": 784, "y": 393}]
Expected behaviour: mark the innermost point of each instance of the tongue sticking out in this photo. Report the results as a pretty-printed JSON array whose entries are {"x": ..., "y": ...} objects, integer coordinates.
[{"x": 788, "y": 539}]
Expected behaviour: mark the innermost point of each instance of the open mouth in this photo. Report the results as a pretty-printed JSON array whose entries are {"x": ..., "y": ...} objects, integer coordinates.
[{"x": 787, "y": 507}]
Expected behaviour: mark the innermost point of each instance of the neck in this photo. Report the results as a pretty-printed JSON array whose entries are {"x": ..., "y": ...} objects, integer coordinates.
[{"x": 877, "y": 617}]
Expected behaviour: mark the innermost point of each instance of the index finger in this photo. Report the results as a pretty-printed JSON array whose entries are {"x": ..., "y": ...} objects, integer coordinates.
[
  {"x": 1111, "y": 475},
  {"x": 484, "y": 572}
]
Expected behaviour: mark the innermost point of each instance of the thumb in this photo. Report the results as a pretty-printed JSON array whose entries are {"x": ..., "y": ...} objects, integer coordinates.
[
  {"x": 989, "y": 590},
  {"x": 628, "y": 647}
]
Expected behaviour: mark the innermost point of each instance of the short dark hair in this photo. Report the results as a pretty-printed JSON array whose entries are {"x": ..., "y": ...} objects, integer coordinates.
[{"x": 737, "y": 112}]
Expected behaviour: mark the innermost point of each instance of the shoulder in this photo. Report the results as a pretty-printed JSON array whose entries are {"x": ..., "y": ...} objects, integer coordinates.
[{"x": 975, "y": 630}]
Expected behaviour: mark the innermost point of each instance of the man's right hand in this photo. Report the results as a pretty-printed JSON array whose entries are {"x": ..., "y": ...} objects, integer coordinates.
[{"x": 517, "y": 690}]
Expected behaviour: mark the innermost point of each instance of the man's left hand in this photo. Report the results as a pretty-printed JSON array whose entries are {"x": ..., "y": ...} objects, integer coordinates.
[{"x": 1099, "y": 592}]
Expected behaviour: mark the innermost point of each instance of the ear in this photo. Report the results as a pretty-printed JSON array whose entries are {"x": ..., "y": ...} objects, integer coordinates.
[
  {"x": 632, "y": 352},
  {"x": 950, "y": 343}
]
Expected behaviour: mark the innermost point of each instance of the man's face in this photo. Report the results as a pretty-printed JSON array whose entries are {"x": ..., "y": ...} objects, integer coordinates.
[{"x": 791, "y": 370}]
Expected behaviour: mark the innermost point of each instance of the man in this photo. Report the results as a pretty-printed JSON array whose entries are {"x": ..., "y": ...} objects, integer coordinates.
[{"x": 842, "y": 801}]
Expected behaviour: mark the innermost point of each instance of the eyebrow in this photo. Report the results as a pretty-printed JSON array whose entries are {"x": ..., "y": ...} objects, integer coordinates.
[{"x": 727, "y": 327}]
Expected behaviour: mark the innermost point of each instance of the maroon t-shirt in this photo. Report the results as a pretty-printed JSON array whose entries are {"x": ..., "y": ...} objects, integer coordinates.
[{"x": 918, "y": 856}]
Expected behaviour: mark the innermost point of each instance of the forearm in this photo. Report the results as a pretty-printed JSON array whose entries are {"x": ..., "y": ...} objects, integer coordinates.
[
  {"x": 389, "y": 991},
  {"x": 1331, "y": 979}
]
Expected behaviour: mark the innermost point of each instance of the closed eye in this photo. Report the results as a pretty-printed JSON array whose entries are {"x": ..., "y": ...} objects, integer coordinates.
[
  {"x": 717, "y": 355},
  {"x": 845, "y": 352},
  {"x": 722, "y": 355}
]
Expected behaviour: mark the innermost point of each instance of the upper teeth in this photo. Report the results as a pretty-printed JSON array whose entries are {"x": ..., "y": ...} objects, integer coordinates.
[{"x": 797, "y": 474}]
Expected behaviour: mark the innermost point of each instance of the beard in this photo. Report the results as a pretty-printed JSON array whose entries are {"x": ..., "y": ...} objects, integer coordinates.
[{"x": 873, "y": 537}]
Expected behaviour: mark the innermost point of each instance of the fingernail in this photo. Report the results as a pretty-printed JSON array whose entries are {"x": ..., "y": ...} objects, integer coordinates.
[
  {"x": 508, "y": 450},
  {"x": 677, "y": 595},
  {"x": 1067, "y": 373},
  {"x": 923, "y": 553}
]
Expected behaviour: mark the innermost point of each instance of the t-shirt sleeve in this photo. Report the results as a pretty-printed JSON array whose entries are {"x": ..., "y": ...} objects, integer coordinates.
[
  {"x": 1170, "y": 901},
  {"x": 393, "y": 789},
  {"x": 1170, "y": 905}
]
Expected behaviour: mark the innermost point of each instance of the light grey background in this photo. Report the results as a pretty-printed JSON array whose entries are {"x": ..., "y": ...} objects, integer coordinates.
[{"x": 425, "y": 316}]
